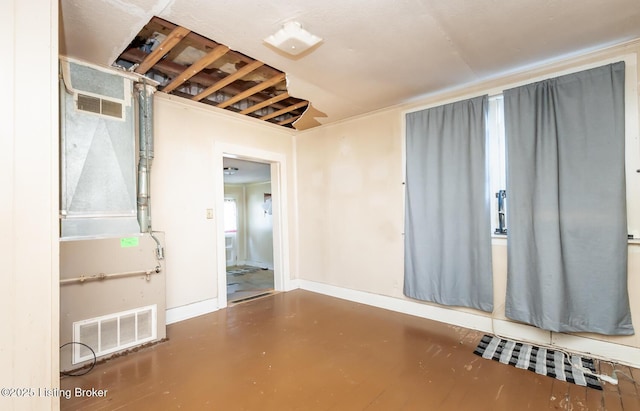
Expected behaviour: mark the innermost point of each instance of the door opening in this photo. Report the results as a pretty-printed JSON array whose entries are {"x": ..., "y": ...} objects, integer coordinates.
[{"x": 248, "y": 229}]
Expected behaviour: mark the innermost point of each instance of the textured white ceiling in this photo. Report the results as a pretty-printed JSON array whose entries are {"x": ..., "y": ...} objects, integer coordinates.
[
  {"x": 248, "y": 171},
  {"x": 375, "y": 53}
]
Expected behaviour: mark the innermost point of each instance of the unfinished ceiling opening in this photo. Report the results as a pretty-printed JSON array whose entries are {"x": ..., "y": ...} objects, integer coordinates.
[{"x": 189, "y": 65}]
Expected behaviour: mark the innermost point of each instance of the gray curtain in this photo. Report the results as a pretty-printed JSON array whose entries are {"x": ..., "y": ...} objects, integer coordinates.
[
  {"x": 447, "y": 222},
  {"x": 567, "y": 243}
]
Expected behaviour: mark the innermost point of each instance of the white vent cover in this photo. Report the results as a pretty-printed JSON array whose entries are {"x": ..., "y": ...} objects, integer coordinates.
[
  {"x": 97, "y": 105},
  {"x": 114, "y": 332}
]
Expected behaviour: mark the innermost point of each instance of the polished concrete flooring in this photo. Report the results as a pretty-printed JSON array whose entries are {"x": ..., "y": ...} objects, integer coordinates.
[
  {"x": 245, "y": 282},
  {"x": 304, "y": 351}
]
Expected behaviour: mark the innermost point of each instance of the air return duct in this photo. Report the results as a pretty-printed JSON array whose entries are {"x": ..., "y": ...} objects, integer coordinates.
[
  {"x": 100, "y": 195},
  {"x": 114, "y": 332},
  {"x": 98, "y": 176}
]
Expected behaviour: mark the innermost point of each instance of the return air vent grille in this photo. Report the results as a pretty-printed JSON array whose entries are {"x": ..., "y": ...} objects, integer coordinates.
[
  {"x": 114, "y": 332},
  {"x": 99, "y": 105}
]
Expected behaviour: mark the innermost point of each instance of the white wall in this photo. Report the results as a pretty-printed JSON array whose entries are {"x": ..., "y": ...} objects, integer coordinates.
[
  {"x": 237, "y": 192},
  {"x": 255, "y": 229},
  {"x": 259, "y": 227},
  {"x": 351, "y": 199},
  {"x": 350, "y": 204},
  {"x": 29, "y": 302},
  {"x": 183, "y": 186}
]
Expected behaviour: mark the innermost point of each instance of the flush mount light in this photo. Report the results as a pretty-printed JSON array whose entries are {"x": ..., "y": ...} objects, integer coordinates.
[
  {"x": 293, "y": 39},
  {"x": 229, "y": 171}
]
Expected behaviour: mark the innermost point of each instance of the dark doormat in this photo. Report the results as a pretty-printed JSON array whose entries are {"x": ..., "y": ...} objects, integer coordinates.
[{"x": 541, "y": 360}]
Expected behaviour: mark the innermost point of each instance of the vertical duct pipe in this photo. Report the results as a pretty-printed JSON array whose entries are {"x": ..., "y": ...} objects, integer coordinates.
[{"x": 145, "y": 142}]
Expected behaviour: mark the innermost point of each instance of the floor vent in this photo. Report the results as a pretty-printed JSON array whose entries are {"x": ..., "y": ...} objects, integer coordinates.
[{"x": 114, "y": 332}]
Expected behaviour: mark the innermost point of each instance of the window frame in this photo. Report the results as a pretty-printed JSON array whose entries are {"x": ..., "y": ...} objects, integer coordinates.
[{"x": 551, "y": 70}]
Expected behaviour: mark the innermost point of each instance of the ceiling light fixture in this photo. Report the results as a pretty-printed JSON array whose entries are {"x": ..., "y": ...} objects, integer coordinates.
[
  {"x": 229, "y": 171},
  {"x": 293, "y": 39}
]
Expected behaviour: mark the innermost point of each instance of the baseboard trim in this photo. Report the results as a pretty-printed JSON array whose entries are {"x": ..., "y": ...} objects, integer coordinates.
[
  {"x": 291, "y": 285},
  {"x": 185, "y": 312},
  {"x": 603, "y": 350},
  {"x": 431, "y": 312}
]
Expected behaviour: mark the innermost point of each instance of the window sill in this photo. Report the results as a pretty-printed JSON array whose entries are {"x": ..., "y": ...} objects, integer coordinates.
[{"x": 498, "y": 239}]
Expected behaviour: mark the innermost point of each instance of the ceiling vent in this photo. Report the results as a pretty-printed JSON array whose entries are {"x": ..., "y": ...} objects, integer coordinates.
[{"x": 293, "y": 39}]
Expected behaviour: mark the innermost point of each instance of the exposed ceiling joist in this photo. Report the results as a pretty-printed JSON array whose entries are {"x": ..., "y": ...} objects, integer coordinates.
[
  {"x": 196, "y": 68},
  {"x": 253, "y": 90},
  {"x": 189, "y": 65},
  {"x": 284, "y": 110},
  {"x": 171, "y": 69},
  {"x": 170, "y": 42},
  {"x": 168, "y": 68},
  {"x": 265, "y": 103},
  {"x": 228, "y": 80},
  {"x": 287, "y": 121}
]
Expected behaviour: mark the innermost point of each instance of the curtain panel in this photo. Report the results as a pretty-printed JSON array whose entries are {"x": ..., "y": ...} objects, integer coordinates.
[
  {"x": 447, "y": 215},
  {"x": 567, "y": 241}
]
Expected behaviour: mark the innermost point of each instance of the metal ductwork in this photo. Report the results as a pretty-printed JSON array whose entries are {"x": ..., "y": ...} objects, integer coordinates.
[
  {"x": 144, "y": 95},
  {"x": 97, "y": 153},
  {"x": 99, "y": 194}
]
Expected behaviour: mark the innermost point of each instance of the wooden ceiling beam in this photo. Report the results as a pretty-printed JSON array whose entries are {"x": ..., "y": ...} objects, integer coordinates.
[
  {"x": 171, "y": 69},
  {"x": 196, "y": 67},
  {"x": 172, "y": 40},
  {"x": 253, "y": 90},
  {"x": 265, "y": 103},
  {"x": 228, "y": 80},
  {"x": 288, "y": 121},
  {"x": 160, "y": 60},
  {"x": 284, "y": 110}
]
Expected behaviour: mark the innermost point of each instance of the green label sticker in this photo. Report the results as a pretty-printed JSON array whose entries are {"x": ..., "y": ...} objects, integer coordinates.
[{"x": 129, "y": 242}]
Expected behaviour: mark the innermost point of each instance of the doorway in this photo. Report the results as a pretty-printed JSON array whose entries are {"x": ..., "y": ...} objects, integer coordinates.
[{"x": 248, "y": 229}]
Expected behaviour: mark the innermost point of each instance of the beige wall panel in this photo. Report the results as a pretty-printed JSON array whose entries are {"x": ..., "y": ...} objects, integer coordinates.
[
  {"x": 90, "y": 299},
  {"x": 183, "y": 184},
  {"x": 351, "y": 197},
  {"x": 350, "y": 204}
]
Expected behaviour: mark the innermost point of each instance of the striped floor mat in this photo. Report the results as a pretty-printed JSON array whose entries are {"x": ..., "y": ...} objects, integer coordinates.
[{"x": 541, "y": 360}]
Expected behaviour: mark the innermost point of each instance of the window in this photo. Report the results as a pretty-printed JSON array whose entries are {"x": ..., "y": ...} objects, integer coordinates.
[
  {"x": 497, "y": 164},
  {"x": 230, "y": 216},
  {"x": 496, "y": 147}
]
